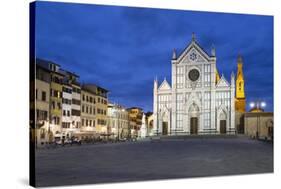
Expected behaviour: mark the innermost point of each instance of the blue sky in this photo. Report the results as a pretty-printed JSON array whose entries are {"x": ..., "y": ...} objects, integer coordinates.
[{"x": 122, "y": 49}]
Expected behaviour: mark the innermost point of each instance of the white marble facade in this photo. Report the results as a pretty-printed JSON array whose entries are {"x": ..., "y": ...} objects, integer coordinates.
[{"x": 199, "y": 101}]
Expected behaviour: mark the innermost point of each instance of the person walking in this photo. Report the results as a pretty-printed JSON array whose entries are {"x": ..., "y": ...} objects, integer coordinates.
[{"x": 62, "y": 141}]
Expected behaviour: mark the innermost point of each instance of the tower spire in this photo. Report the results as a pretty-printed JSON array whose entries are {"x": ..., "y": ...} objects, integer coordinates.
[
  {"x": 174, "y": 54},
  {"x": 155, "y": 83},
  {"x": 213, "y": 51},
  {"x": 239, "y": 59},
  {"x": 240, "y": 104},
  {"x": 193, "y": 36},
  {"x": 156, "y": 79},
  {"x": 217, "y": 76},
  {"x": 232, "y": 79},
  {"x": 240, "y": 67}
]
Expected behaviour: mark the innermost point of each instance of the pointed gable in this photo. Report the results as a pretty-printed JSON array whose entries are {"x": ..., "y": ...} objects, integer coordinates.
[
  {"x": 196, "y": 48},
  {"x": 223, "y": 82},
  {"x": 164, "y": 86}
]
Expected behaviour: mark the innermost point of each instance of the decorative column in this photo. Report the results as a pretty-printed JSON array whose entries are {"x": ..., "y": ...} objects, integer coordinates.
[
  {"x": 212, "y": 95},
  {"x": 185, "y": 116},
  {"x": 174, "y": 95},
  {"x": 232, "y": 103},
  {"x": 155, "y": 107}
]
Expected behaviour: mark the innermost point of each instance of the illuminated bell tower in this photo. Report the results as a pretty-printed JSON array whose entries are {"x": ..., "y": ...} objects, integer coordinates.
[{"x": 240, "y": 101}]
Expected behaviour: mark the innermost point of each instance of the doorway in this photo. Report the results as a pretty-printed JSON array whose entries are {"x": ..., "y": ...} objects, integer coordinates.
[
  {"x": 194, "y": 125},
  {"x": 222, "y": 126},
  {"x": 165, "y": 128}
]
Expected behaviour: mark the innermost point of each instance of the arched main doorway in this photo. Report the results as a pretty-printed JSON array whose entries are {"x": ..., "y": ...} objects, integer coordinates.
[
  {"x": 194, "y": 119},
  {"x": 165, "y": 128},
  {"x": 194, "y": 125}
]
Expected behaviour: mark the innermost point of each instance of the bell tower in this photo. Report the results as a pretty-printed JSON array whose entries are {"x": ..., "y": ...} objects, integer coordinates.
[{"x": 240, "y": 101}]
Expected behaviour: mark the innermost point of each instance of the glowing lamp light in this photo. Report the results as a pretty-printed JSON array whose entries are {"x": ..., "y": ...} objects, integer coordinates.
[
  {"x": 252, "y": 104},
  {"x": 263, "y": 104}
]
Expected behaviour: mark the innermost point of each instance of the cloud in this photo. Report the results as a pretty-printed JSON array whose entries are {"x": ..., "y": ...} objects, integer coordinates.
[{"x": 123, "y": 49}]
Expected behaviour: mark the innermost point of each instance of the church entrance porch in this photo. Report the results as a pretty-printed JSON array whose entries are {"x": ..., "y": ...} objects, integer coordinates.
[
  {"x": 194, "y": 125},
  {"x": 222, "y": 126},
  {"x": 165, "y": 128}
]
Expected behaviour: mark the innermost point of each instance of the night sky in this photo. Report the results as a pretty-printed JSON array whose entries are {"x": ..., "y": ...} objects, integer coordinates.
[{"x": 123, "y": 49}]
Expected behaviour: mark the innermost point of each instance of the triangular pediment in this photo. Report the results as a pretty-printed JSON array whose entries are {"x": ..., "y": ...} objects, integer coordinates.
[
  {"x": 164, "y": 86},
  {"x": 193, "y": 53},
  {"x": 223, "y": 82}
]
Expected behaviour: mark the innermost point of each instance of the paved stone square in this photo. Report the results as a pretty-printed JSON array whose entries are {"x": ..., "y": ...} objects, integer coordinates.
[{"x": 150, "y": 160}]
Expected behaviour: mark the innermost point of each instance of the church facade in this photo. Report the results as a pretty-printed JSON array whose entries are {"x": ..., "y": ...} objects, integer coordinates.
[{"x": 198, "y": 101}]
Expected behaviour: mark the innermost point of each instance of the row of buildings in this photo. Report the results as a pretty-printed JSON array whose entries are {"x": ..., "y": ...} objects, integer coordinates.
[
  {"x": 62, "y": 107},
  {"x": 199, "y": 100}
]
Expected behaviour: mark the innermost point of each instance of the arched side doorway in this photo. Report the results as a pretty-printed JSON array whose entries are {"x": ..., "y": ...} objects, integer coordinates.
[
  {"x": 164, "y": 122},
  {"x": 193, "y": 113},
  {"x": 222, "y": 122}
]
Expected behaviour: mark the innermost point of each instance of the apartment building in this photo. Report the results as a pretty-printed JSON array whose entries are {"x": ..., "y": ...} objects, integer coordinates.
[
  {"x": 118, "y": 121},
  {"x": 88, "y": 112},
  {"x": 100, "y": 107},
  {"x": 42, "y": 88}
]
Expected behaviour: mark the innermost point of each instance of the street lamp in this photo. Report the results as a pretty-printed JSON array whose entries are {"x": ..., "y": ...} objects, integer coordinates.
[
  {"x": 257, "y": 106},
  {"x": 263, "y": 104},
  {"x": 252, "y": 104}
]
